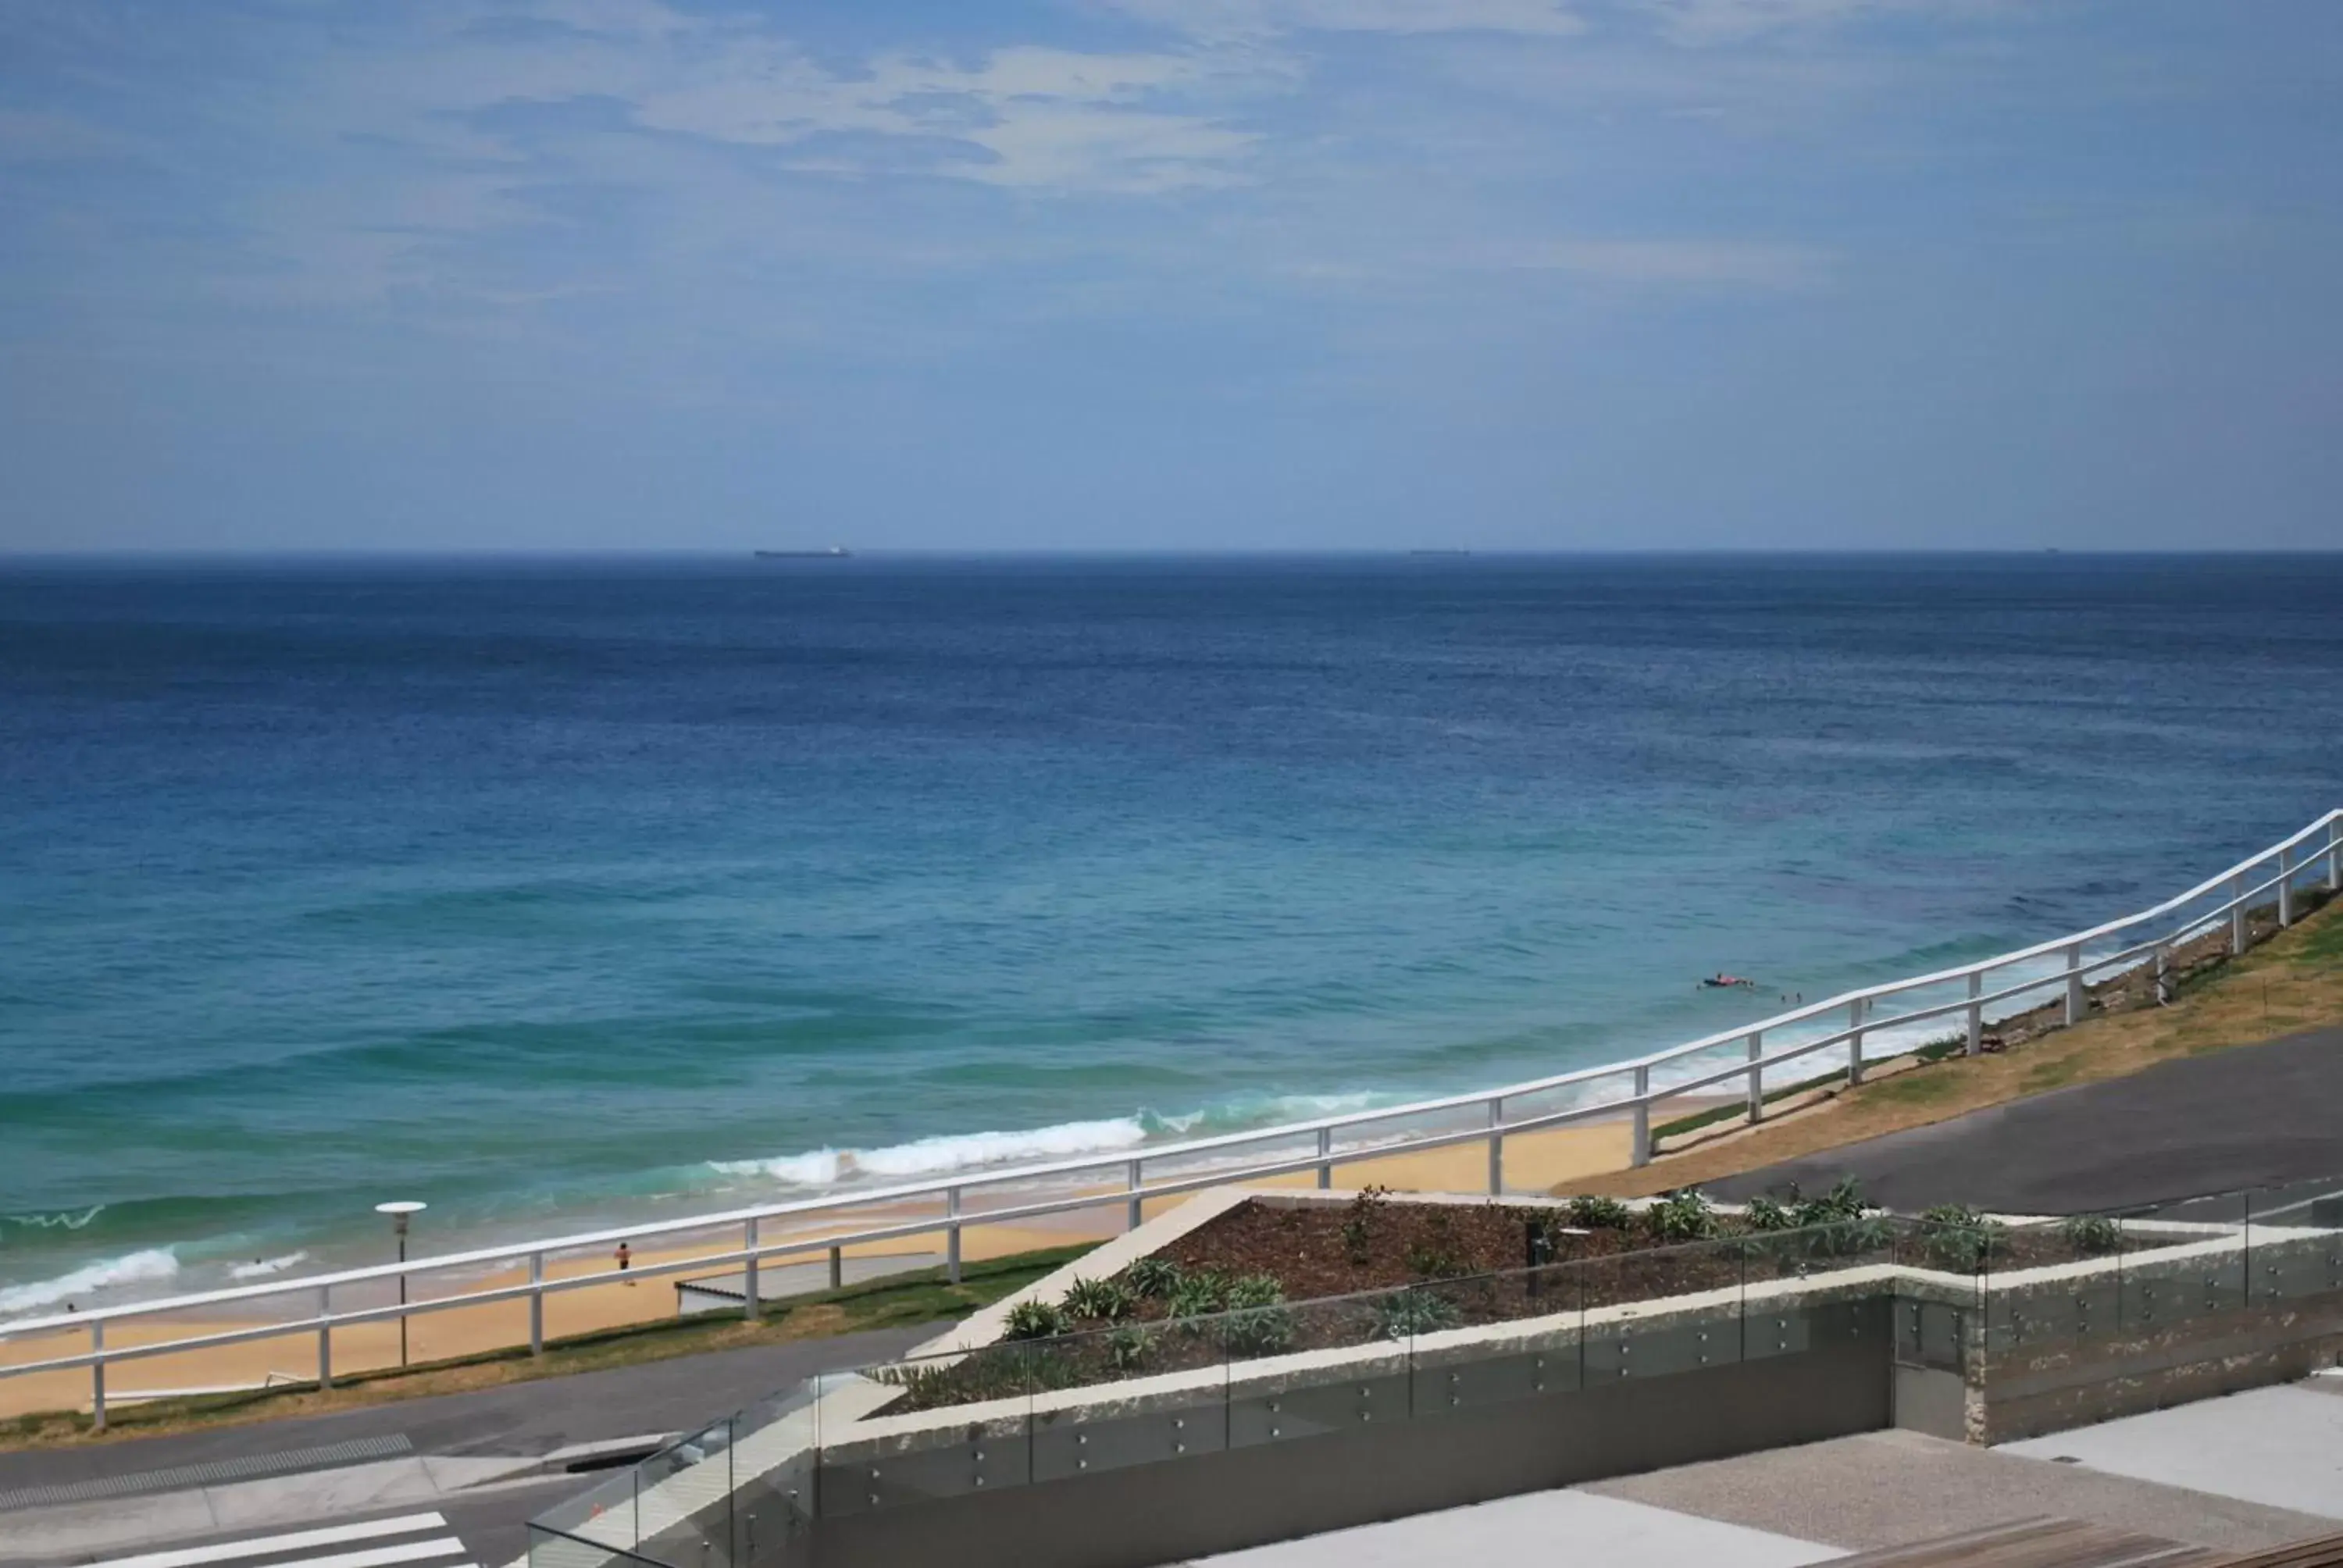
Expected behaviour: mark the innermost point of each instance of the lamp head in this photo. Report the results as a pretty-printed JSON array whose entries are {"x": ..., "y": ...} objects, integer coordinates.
[{"x": 398, "y": 1213}]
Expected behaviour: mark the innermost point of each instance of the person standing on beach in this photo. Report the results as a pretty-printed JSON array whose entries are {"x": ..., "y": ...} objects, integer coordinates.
[{"x": 626, "y": 1260}]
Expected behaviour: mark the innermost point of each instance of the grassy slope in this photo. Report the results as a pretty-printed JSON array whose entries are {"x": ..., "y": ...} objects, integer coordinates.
[
  {"x": 913, "y": 1298},
  {"x": 2292, "y": 982}
]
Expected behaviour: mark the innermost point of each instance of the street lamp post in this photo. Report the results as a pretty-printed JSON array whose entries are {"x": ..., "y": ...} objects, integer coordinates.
[{"x": 400, "y": 1213}]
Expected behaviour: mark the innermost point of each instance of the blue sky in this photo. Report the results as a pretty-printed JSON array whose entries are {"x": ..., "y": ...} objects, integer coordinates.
[{"x": 1171, "y": 273}]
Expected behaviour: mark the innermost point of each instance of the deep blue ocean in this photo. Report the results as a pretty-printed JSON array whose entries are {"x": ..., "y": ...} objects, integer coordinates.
[{"x": 560, "y": 893}]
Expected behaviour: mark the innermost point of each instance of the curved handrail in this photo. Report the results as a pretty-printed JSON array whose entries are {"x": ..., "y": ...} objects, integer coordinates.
[{"x": 951, "y": 1185}]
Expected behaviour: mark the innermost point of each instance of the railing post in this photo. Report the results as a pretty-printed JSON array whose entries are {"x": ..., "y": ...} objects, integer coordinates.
[
  {"x": 2079, "y": 1001},
  {"x": 837, "y": 1268},
  {"x": 1132, "y": 1182},
  {"x": 324, "y": 1336},
  {"x": 2163, "y": 975},
  {"x": 2237, "y": 916},
  {"x": 1325, "y": 1160},
  {"x": 748, "y": 1281},
  {"x": 2285, "y": 888},
  {"x": 1976, "y": 1012},
  {"x": 1855, "y": 1011},
  {"x": 1757, "y": 1077},
  {"x": 2335, "y": 857},
  {"x": 952, "y": 1237},
  {"x": 1497, "y": 1146},
  {"x": 537, "y": 1304},
  {"x": 1643, "y": 1131},
  {"x": 97, "y": 1377}
]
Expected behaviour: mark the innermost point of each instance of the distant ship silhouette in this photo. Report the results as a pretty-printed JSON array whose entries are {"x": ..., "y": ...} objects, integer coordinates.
[{"x": 835, "y": 553}]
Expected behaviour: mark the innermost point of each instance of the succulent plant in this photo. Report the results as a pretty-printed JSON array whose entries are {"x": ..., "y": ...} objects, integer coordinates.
[
  {"x": 1036, "y": 1320},
  {"x": 1153, "y": 1278},
  {"x": 1682, "y": 1216},
  {"x": 1956, "y": 1237},
  {"x": 1601, "y": 1214},
  {"x": 1414, "y": 1311},
  {"x": 1100, "y": 1300},
  {"x": 2092, "y": 1235}
]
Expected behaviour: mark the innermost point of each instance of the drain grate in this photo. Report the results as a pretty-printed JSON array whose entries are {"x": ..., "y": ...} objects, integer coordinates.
[{"x": 250, "y": 1467}]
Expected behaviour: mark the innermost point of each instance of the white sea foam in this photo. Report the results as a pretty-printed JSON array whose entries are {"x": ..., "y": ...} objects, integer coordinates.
[
  {"x": 55, "y": 1222},
  {"x": 941, "y": 1155},
  {"x": 261, "y": 1268},
  {"x": 1270, "y": 1113},
  {"x": 135, "y": 1268}
]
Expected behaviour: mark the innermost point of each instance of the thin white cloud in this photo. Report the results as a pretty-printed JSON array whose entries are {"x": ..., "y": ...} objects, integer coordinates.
[
  {"x": 1037, "y": 118},
  {"x": 1699, "y": 263},
  {"x": 1234, "y": 19},
  {"x": 1710, "y": 23}
]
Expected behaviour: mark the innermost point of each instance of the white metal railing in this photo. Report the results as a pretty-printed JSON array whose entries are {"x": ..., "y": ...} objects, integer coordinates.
[{"x": 2316, "y": 849}]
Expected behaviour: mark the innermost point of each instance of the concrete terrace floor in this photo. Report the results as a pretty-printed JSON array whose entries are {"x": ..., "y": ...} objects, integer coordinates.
[{"x": 2235, "y": 1474}]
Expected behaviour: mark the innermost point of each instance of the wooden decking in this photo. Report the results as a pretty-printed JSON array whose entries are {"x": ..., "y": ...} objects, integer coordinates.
[
  {"x": 2319, "y": 1551},
  {"x": 2073, "y": 1543}
]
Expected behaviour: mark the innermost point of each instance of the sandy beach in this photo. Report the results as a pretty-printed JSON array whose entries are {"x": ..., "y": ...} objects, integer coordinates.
[{"x": 1534, "y": 1162}]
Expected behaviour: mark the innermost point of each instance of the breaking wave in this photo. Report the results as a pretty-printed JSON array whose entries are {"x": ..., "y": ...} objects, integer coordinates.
[{"x": 136, "y": 1268}]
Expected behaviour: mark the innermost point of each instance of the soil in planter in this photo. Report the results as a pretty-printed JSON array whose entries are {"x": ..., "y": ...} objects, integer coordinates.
[
  {"x": 1328, "y": 1250},
  {"x": 1381, "y": 1269}
]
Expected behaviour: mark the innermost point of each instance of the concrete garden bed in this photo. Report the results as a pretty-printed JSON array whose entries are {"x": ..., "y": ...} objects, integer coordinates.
[{"x": 986, "y": 1448}]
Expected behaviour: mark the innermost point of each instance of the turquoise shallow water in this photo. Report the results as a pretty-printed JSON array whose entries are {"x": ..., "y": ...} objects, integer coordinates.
[{"x": 559, "y": 892}]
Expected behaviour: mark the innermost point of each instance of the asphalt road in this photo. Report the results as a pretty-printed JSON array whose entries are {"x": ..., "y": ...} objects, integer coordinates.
[
  {"x": 2256, "y": 1116},
  {"x": 524, "y": 1417}
]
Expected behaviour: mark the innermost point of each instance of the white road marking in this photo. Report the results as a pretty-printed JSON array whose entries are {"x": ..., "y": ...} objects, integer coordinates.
[{"x": 300, "y": 1540}]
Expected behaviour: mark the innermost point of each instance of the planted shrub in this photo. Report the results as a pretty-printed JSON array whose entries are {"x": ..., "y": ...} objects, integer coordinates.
[
  {"x": 1359, "y": 1221},
  {"x": 1044, "y": 1370},
  {"x": 1839, "y": 1223},
  {"x": 2092, "y": 1235},
  {"x": 1959, "y": 1238},
  {"x": 1601, "y": 1214},
  {"x": 1256, "y": 1321},
  {"x": 1682, "y": 1216},
  {"x": 1127, "y": 1347},
  {"x": 1252, "y": 1291},
  {"x": 1434, "y": 1262},
  {"x": 1766, "y": 1214},
  {"x": 1036, "y": 1320},
  {"x": 1154, "y": 1278},
  {"x": 1100, "y": 1300},
  {"x": 980, "y": 1376},
  {"x": 1842, "y": 1201},
  {"x": 1198, "y": 1294},
  {"x": 1407, "y": 1312}
]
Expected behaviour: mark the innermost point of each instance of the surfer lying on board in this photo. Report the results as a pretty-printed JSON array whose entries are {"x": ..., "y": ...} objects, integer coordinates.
[{"x": 1721, "y": 980}]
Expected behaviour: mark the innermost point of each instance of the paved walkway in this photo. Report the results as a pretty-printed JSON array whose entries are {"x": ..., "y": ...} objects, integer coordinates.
[
  {"x": 2257, "y": 1116},
  {"x": 1543, "y": 1526},
  {"x": 2278, "y": 1446},
  {"x": 1887, "y": 1489},
  {"x": 2238, "y": 1474}
]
